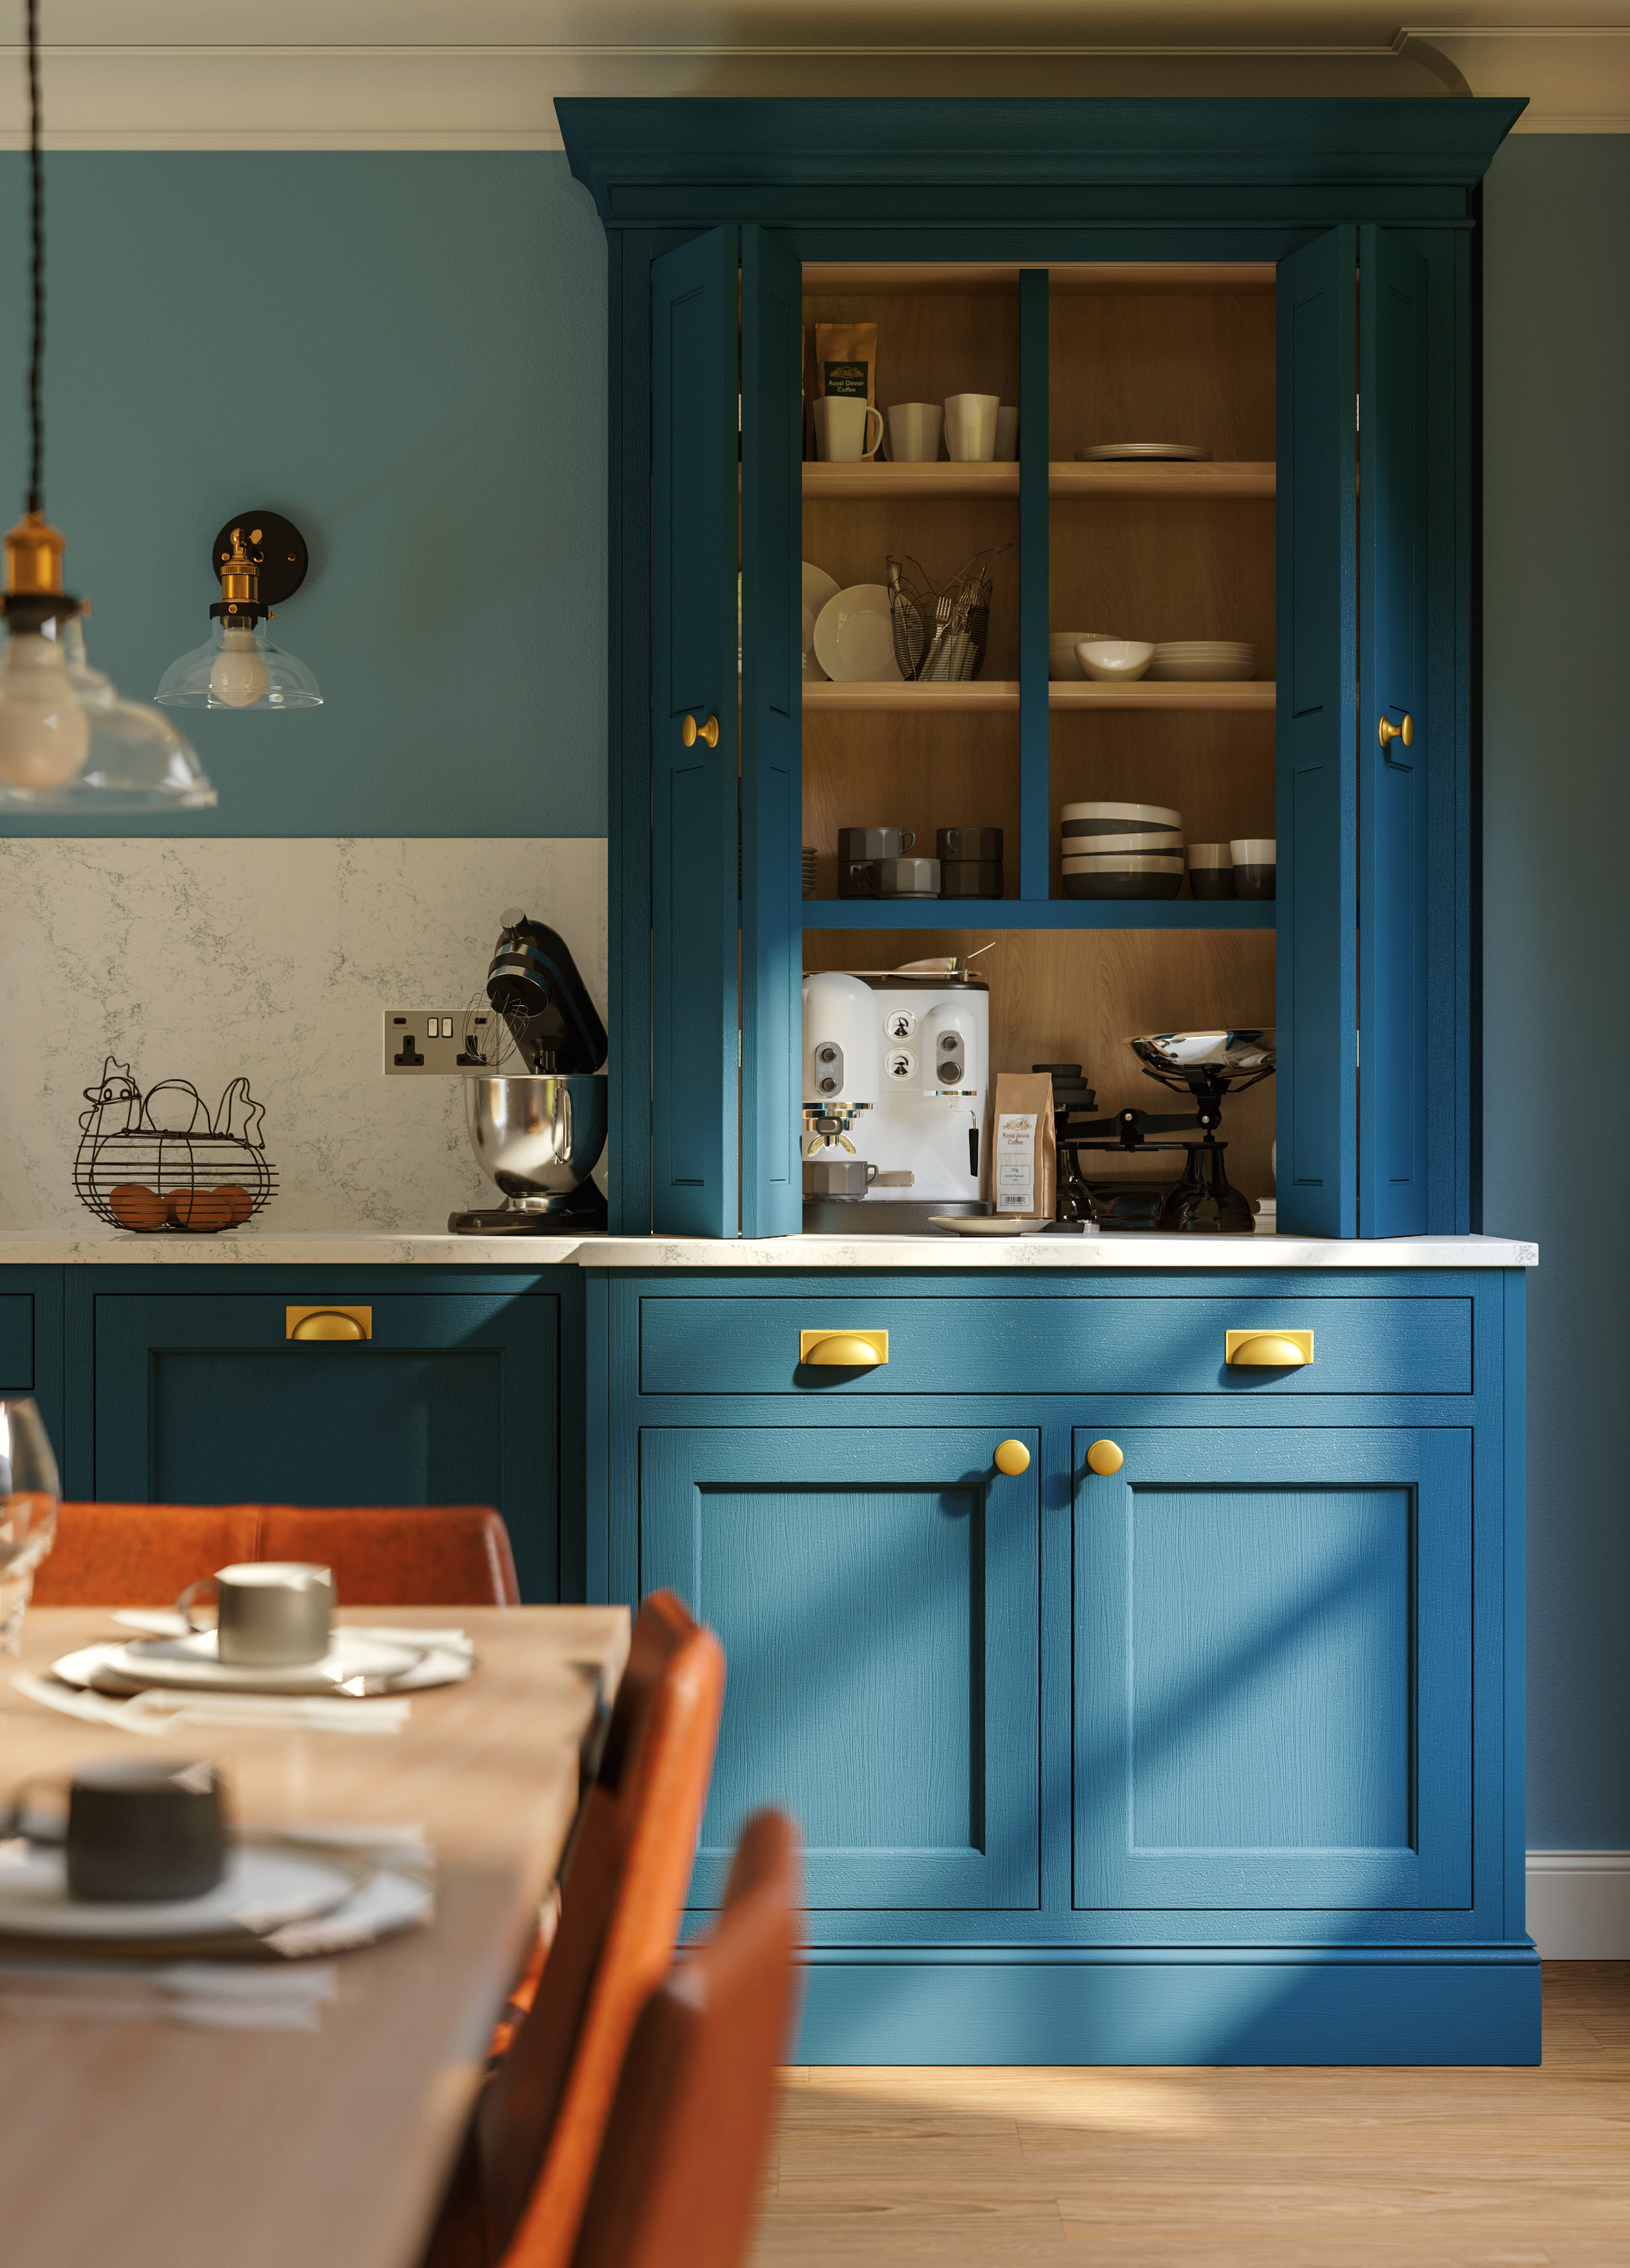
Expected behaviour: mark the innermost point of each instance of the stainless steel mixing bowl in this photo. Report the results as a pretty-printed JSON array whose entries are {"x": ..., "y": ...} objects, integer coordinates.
[{"x": 536, "y": 1136}]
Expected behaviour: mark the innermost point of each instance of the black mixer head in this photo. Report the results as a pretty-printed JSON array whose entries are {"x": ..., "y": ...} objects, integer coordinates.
[{"x": 534, "y": 985}]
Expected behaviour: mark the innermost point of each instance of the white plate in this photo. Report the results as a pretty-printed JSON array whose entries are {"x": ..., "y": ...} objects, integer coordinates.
[
  {"x": 1218, "y": 670},
  {"x": 982, "y": 1224},
  {"x": 854, "y": 639},
  {"x": 263, "y": 1887},
  {"x": 190, "y": 1663},
  {"x": 1112, "y": 452},
  {"x": 1157, "y": 815},
  {"x": 818, "y": 586}
]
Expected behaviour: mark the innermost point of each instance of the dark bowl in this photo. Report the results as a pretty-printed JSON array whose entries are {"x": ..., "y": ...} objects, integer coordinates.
[{"x": 1122, "y": 886}]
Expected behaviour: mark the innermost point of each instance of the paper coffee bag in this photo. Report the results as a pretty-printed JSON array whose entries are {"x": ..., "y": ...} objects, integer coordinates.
[
  {"x": 1024, "y": 1150},
  {"x": 846, "y": 360}
]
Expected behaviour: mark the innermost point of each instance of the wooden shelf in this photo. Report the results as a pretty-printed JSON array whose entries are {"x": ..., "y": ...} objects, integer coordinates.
[
  {"x": 1002, "y": 693},
  {"x": 1036, "y": 913},
  {"x": 936, "y": 278},
  {"x": 1065, "y": 478}
]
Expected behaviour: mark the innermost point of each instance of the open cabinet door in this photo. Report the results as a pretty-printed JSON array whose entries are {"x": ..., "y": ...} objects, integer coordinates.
[
  {"x": 772, "y": 728},
  {"x": 1394, "y": 736},
  {"x": 693, "y": 738},
  {"x": 1317, "y": 1176}
]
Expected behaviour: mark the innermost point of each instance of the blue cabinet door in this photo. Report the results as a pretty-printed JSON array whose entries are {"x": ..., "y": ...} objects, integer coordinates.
[
  {"x": 1317, "y": 959},
  {"x": 1273, "y": 1661},
  {"x": 877, "y": 1593},
  {"x": 695, "y": 1031},
  {"x": 200, "y": 1398}
]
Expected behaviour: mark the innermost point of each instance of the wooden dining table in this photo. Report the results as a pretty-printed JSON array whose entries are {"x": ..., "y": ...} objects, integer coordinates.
[{"x": 139, "y": 2144}]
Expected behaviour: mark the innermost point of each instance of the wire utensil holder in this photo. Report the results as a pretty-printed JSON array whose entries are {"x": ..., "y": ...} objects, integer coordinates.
[
  {"x": 160, "y": 1161},
  {"x": 940, "y": 630}
]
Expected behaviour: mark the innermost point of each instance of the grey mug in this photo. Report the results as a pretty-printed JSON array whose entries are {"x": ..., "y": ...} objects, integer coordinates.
[{"x": 271, "y": 1614}]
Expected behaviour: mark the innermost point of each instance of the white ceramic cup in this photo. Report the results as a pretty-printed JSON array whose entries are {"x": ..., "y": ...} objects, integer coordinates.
[
  {"x": 970, "y": 428},
  {"x": 272, "y": 1614},
  {"x": 1007, "y": 434},
  {"x": 1254, "y": 851},
  {"x": 844, "y": 433},
  {"x": 913, "y": 433}
]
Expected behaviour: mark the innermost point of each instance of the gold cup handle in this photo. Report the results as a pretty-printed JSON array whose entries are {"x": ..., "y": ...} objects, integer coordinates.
[
  {"x": 1387, "y": 731},
  {"x": 327, "y": 1323},
  {"x": 844, "y": 1350},
  {"x": 690, "y": 731},
  {"x": 1267, "y": 1350}
]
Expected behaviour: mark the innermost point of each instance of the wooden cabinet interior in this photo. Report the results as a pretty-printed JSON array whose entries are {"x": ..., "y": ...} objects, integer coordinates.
[{"x": 1077, "y": 995}]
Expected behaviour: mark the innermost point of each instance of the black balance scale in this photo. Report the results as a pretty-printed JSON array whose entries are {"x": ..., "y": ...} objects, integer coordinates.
[{"x": 1206, "y": 1065}]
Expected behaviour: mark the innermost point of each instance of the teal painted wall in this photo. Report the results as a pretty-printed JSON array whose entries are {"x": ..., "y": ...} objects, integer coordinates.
[
  {"x": 405, "y": 353},
  {"x": 1556, "y": 820}
]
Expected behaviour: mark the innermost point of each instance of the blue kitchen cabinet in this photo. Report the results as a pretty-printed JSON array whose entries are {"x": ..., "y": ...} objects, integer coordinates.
[
  {"x": 1273, "y": 1639},
  {"x": 877, "y": 1591},
  {"x": 31, "y": 1340},
  {"x": 196, "y": 1394}
]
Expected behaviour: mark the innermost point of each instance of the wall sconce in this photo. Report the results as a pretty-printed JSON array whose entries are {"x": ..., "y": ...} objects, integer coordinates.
[{"x": 260, "y": 559}]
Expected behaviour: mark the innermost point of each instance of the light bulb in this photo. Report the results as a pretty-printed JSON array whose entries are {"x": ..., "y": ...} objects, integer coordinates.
[
  {"x": 44, "y": 732},
  {"x": 238, "y": 674}
]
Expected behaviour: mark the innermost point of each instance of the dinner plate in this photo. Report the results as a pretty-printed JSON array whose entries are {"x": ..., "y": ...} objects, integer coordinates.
[
  {"x": 818, "y": 586},
  {"x": 189, "y": 1664},
  {"x": 1114, "y": 451},
  {"x": 986, "y": 1224},
  {"x": 854, "y": 638},
  {"x": 1219, "y": 669},
  {"x": 265, "y": 1887}
]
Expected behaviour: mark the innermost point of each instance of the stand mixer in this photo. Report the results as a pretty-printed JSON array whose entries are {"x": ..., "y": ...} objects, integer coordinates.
[{"x": 538, "y": 1134}]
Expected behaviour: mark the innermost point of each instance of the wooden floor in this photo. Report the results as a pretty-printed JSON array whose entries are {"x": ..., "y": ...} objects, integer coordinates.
[{"x": 1211, "y": 2169}]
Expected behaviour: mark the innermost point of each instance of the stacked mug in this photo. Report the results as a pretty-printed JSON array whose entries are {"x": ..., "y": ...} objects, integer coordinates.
[
  {"x": 1121, "y": 850},
  {"x": 1247, "y": 867}
]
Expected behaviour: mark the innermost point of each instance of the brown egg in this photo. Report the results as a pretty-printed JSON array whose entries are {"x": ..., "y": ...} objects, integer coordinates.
[
  {"x": 133, "y": 1206},
  {"x": 238, "y": 1203},
  {"x": 198, "y": 1210}
]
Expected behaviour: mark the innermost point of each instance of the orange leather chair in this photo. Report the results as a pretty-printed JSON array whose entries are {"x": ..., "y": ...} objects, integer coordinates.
[
  {"x": 681, "y": 2168},
  {"x": 143, "y": 1555},
  {"x": 539, "y": 2122}
]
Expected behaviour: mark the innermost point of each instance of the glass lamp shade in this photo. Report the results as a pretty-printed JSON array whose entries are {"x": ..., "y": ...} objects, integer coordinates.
[
  {"x": 67, "y": 743},
  {"x": 238, "y": 668}
]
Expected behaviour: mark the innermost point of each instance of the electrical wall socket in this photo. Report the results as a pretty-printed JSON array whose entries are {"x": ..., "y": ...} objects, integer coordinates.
[{"x": 419, "y": 1041}]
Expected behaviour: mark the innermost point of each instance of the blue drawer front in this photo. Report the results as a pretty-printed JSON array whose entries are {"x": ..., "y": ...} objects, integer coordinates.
[
  {"x": 17, "y": 1342},
  {"x": 692, "y": 1343}
]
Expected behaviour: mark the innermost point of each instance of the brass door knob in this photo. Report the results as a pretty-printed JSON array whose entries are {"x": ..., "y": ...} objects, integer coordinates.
[
  {"x": 1105, "y": 1457},
  {"x": 1012, "y": 1457},
  {"x": 327, "y": 1323},
  {"x": 1387, "y": 731},
  {"x": 690, "y": 731}
]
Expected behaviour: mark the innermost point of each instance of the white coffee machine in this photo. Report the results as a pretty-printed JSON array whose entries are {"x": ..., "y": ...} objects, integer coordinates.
[{"x": 895, "y": 1072}]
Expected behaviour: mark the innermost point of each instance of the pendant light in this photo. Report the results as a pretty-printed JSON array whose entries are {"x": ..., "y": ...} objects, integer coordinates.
[
  {"x": 260, "y": 559},
  {"x": 67, "y": 741}
]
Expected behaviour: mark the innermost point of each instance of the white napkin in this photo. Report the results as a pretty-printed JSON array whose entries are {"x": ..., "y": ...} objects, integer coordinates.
[
  {"x": 157, "y": 1709},
  {"x": 212, "y": 1995}
]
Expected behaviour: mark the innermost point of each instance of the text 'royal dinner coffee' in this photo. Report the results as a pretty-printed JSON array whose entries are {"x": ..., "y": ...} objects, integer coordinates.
[{"x": 1024, "y": 1152}]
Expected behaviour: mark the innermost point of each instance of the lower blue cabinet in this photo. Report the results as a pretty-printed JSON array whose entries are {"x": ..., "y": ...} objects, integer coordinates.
[
  {"x": 201, "y": 1397},
  {"x": 877, "y": 1592},
  {"x": 1272, "y": 1669}
]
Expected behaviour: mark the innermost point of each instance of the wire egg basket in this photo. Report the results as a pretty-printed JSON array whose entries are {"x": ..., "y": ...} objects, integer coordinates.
[{"x": 162, "y": 1161}]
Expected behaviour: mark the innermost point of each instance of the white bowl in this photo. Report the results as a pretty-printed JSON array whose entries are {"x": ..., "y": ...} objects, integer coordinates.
[
  {"x": 1126, "y": 862},
  {"x": 1061, "y": 645},
  {"x": 1157, "y": 815},
  {"x": 1147, "y": 846},
  {"x": 1114, "y": 657}
]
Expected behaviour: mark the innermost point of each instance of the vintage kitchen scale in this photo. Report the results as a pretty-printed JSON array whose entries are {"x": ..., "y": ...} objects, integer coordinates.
[{"x": 1206, "y": 1065}]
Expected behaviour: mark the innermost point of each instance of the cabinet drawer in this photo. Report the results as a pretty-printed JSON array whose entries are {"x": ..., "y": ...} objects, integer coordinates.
[
  {"x": 17, "y": 1342},
  {"x": 1055, "y": 1344}
]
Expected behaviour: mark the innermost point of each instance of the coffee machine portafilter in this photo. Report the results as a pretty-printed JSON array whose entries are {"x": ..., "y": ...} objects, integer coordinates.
[{"x": 538, "y": 1134}]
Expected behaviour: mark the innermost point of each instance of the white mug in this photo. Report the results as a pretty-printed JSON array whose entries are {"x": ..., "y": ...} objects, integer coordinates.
[
  {"x": 1007, "y": 434},
  {"x": 970, "y": 428},
  {"x": 843, "y": 428},
  {"x": 913, "y": 433}
]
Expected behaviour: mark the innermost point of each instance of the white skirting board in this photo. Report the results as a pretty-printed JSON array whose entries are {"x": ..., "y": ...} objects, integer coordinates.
[{"x": 1579, "y": 1905}]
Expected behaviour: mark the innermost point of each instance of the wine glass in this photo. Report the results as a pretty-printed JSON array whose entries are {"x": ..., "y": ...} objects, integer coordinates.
[{"x": 29, "y": 1493}]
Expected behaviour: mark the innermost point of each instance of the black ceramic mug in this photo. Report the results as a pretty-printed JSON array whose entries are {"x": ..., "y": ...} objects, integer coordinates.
[{"x": 140, "y": 1832}]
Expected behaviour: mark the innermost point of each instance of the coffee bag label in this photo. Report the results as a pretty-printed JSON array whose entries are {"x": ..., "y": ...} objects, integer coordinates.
[
  {"x": 849, "y": 378},
  {"x": 1013, "y": 1163}
]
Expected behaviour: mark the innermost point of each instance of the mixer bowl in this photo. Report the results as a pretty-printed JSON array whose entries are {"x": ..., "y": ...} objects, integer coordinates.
[{"x": 536, "y": 1136}]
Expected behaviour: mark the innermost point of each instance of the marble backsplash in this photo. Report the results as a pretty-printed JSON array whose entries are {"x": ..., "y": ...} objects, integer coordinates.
[{"x": 272, "y": 961}]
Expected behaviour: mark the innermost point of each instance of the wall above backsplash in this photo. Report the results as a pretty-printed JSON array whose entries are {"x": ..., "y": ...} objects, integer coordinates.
[
  {"x": 403, "y": 352},
  {"x": 274, "y": 960}
]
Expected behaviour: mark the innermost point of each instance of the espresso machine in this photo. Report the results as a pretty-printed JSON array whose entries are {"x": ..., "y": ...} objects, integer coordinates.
[
  {"x": 895, "y": 1072},
  {"x": 538, "y": 1129}
]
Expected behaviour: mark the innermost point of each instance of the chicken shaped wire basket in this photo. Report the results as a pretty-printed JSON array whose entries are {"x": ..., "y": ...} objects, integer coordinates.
[{"x": 160, "y": 1161}]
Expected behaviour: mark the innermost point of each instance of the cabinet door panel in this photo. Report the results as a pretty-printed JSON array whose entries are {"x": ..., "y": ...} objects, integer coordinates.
[
  {"x": 877, "y": 1595},
  {"x": 200, "y": 1399},
  {"x": 1272, "y": 1669},
  {"x": 694, "y": 810},
  {"x": 1317, "y": 1014},
  {"x": 1392, "y": 780}
]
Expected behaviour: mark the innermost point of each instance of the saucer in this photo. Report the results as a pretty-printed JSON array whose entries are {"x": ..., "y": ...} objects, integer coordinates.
[{"x": 263, "y": 1887}]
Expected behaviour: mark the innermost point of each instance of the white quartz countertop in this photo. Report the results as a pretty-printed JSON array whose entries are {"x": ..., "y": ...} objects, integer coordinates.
[{"x": 70, "y": 1245}]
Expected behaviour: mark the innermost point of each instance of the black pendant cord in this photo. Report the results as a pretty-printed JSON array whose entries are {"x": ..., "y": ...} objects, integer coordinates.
[{"x": 36, "y": 199}]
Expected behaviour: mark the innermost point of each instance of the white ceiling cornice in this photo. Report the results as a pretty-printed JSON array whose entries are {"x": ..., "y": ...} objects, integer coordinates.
[{"x": 286, "y": 89}]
